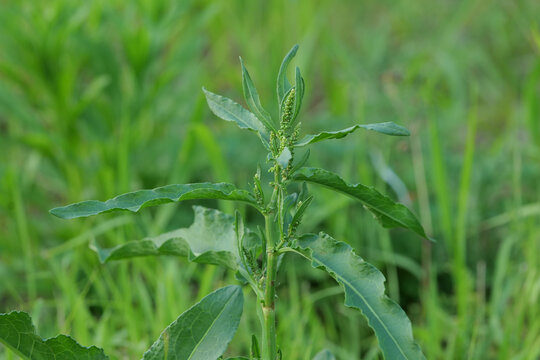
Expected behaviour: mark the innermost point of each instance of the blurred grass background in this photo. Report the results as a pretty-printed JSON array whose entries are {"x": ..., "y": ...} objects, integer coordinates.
[{"x": 103, "y": 97}]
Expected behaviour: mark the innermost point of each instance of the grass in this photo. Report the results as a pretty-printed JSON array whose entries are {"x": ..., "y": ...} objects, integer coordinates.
[{"x": 101, "y": 98}]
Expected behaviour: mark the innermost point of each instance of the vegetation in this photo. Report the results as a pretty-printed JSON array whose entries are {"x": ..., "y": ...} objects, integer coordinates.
[
  {"x": 205, "y": 330},
  {"x": 97, "y": 99}
]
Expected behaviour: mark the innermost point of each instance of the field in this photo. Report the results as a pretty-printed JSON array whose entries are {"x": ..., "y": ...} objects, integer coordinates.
[{"x": 99, "y": 98}]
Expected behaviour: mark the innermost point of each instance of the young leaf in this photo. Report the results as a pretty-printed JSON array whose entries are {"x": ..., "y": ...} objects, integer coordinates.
[
  {"x": 18, "y": 333},
  {"x": 255, "y": 352},
  {"x": 284, "y": 158},
  {"x": 389, "y": 213},
  {"x": 297, "y": 218},
  {"x": 137, "y": 200},
  {"x": 324, "y": 355},
  {"x": 229, "y": 110},
  {"x": 283, "y": 84},
  {"x": 252, "y": 99},
  {"x": 252, "y": 242},
  {"x": 304, "y": 192},
  {"x": 211, "y": 239},
  {"x": 299, "y": 93},
  {"x": 289, "y": 203},
  {"x": 387, "y": 128},
  {"x": 202, "y": 332},
  {"x": 300, "y": 162},
  {"x": 364, "y": 290}
]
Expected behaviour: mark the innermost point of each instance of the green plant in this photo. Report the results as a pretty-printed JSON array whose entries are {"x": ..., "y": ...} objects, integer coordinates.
[{"x": 204, "y": 331}]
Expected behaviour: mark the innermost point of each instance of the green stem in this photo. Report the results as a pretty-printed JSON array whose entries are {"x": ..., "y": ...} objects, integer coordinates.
[{"x": 269, "y": 344}]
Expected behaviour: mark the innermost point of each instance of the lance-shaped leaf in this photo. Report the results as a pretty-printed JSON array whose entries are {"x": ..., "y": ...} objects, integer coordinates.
[
  {"x": 283, "y": 85},
  {"x": 364, "y": 290},
  {"x": 297, "y": 218},
  {"x": 324, "y": 355},
  {"x": 211, "y": 239},
  {"x": 387, "y": 128},
  {"x": 230, "y": 110},
  {"x": 389, "y": 213},
  {"x": 252, "y": 98},
  {"x": 202, "y": 332},
  {"x": 137, "y": 200},
  {"x": 18, "y": 333},
  {"x": 255, "y": 351},
  {"x": 298, "y": 94}
]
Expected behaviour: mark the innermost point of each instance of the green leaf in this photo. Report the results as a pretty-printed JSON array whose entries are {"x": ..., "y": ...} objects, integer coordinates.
[
  {"x": 255, "y": 351},
  {"x": 137, "y": 200},
  {"x": 211, "y": 239},
  {"x": 298, "y": 94},
  {"x": 300, "y": 162},
  {"x": 285, "y": 210},
  {"x": 253, "y": 101},
  {"x": 202, "y": 332},
  {"x": 18, "y": 333},
  {"x": 324, "y": 355},
  {"x": 230, "y": 110},
  {"x": 364, "y": 290},
  {"x": 284, "y": 158},
  {"x": 387, "y": 128},
  {"x": 297, "y": 218},
  {"x": 389, "y": 213},
  {"x": 283, "y": 85}
]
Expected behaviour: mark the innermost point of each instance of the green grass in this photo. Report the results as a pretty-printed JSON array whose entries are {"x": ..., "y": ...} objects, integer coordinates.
[{"x": 104, "y": 97}]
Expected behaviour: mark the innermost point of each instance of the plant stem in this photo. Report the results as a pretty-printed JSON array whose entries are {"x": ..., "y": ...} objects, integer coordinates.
[{"x": 269, "y": 345}]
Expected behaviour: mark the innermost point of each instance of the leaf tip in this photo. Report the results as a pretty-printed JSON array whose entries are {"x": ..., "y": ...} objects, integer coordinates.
[{"x": 244, "y": 70}]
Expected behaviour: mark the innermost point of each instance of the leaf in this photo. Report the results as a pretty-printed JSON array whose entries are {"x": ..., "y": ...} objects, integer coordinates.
[
  {"x": 364, "y": 290},
  {"x": 252, "y": 99},
  {"x": 211, "y": 239},
  {"x": 297, "y": 218},
  {"x": 387, "y": 128},
  {"x": 255, "y": 351},
  {"x": 283, "y": 85},
  {"x": 230, "y": 110},
  {"x": 137, "y": 200},
  {"x": 284, "y": 158},
  {"x": 300, "y": 162},
  {"x": 202, "y": 332},
  {"x": 298, "y": 94},
  {"x": 324, "y": 355},
  {"x": 389, "y": 213},
  {"x": 252, "y": 243},
  {"x": 18, "y": 333},
  {"x": 288, "y": 204}
]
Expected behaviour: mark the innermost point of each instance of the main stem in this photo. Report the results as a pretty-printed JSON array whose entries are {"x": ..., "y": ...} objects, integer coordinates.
[{"x": 269, "y": 344}]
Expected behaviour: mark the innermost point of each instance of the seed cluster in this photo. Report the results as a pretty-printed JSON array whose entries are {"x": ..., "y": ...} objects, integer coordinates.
[
  {"x": 288, "y": 110},
  {"x": 287, "y": 135}
]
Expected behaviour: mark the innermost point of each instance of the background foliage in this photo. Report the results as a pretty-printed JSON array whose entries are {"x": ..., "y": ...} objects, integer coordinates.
[{"x": 102, "y": 97}]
